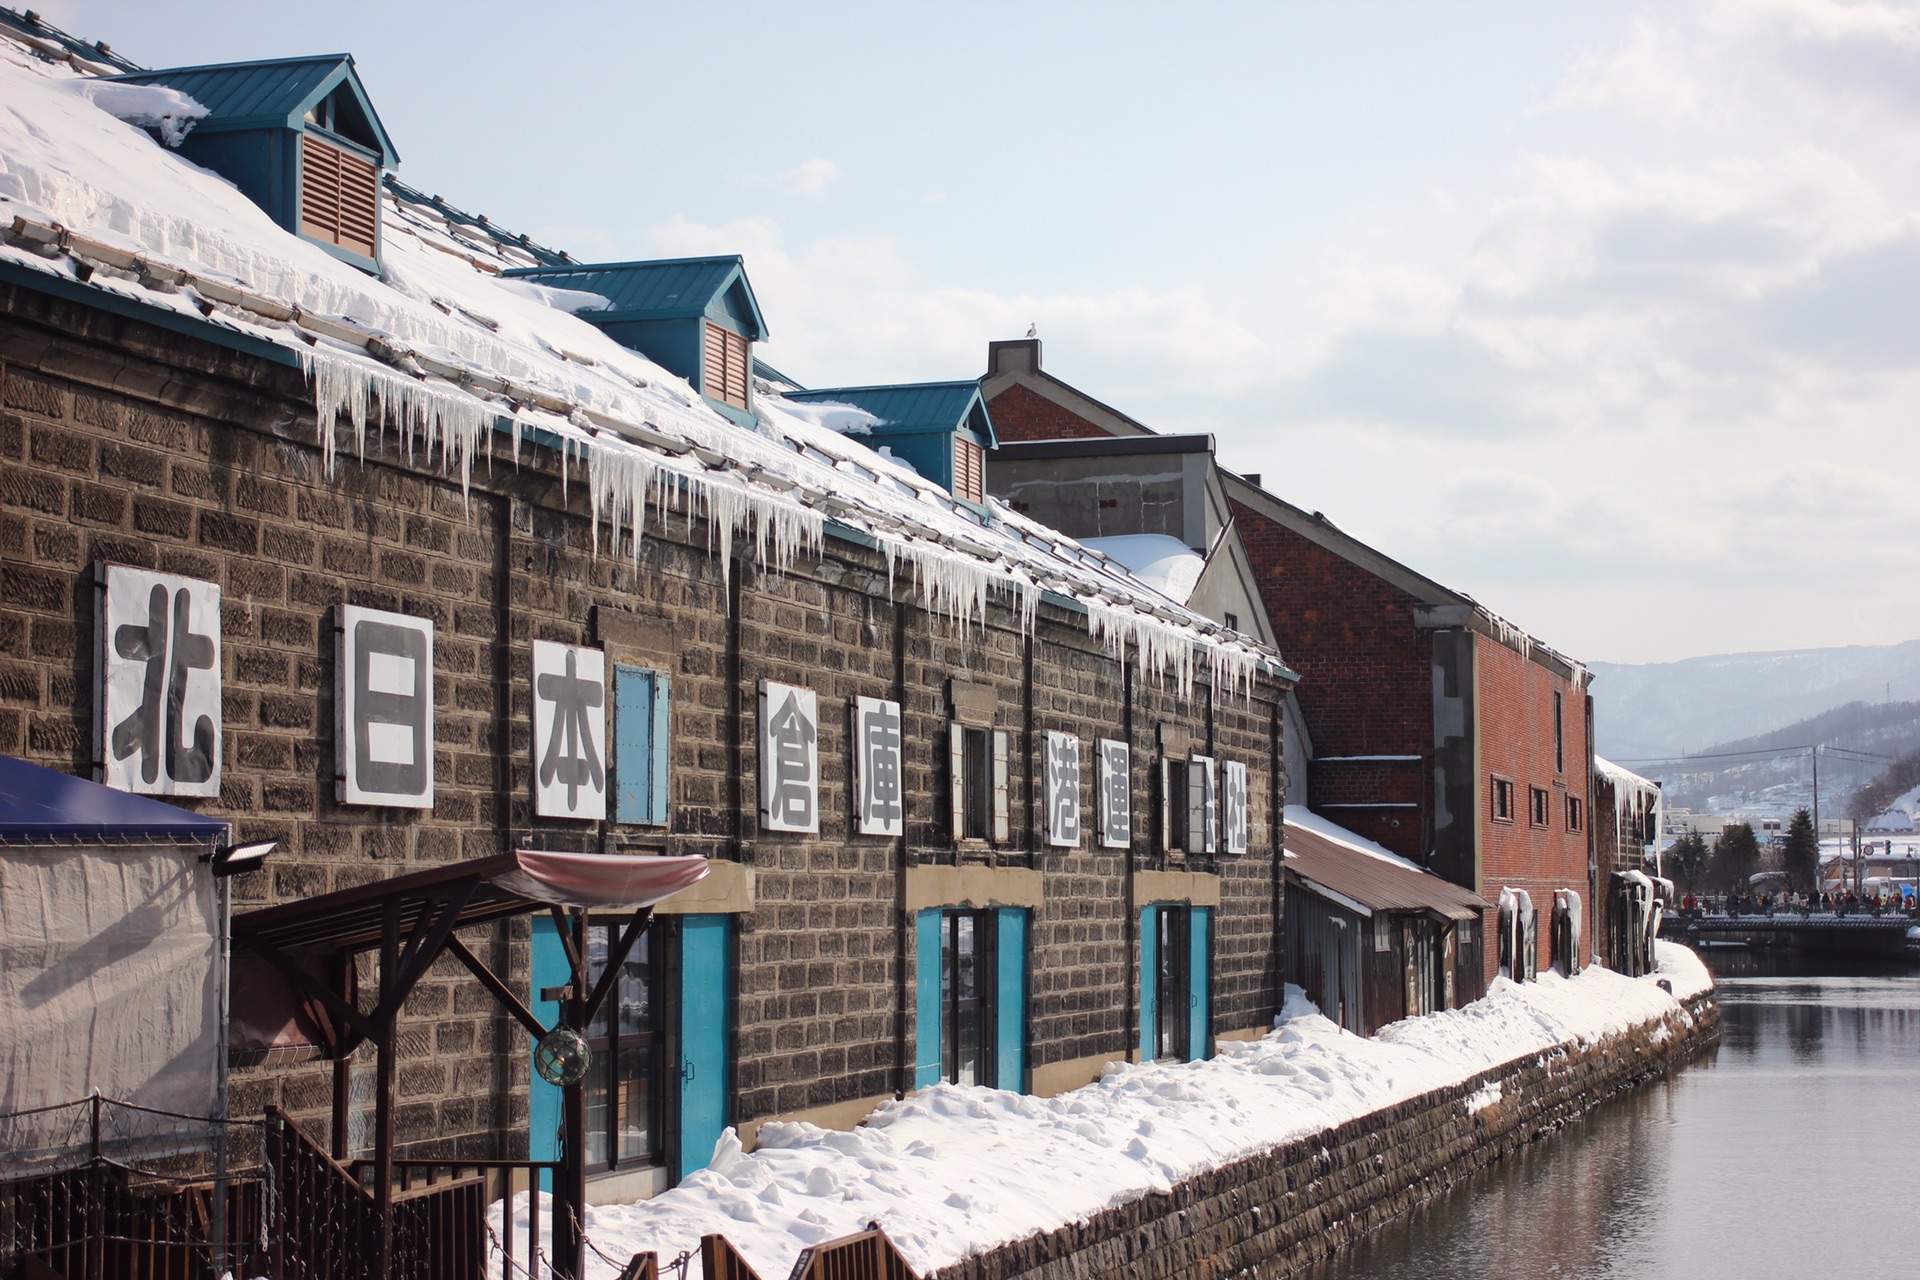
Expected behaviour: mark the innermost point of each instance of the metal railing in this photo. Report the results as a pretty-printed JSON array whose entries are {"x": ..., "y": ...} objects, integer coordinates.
[{"x": 100, "y": 1188}]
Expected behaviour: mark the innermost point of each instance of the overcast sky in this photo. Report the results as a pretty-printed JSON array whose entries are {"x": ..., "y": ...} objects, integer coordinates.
[{"x": 1607, "y": 315}]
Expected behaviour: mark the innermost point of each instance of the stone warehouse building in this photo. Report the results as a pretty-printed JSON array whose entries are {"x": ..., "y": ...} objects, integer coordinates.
[
  {"x": 1429, "y": 724},
  {"x": 336, "y": 512}
]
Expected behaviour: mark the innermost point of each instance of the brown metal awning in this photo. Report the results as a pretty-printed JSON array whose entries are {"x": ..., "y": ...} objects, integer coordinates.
[
  {"x": 1367, "y": 882},
  {"x": 411, "y": 919},
  {"x": 510, "y": 884}
]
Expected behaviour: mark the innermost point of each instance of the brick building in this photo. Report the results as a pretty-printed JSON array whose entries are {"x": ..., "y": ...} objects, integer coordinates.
[
  {"x": 1434, "y": 727},
  {"x": 978, "y": 804}
]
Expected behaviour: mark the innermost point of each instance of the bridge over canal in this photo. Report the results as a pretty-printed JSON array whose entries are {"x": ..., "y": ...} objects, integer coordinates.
[{"x": 1818, "y": 932}]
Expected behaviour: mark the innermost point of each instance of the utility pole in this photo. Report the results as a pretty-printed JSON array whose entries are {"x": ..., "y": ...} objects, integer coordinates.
[{"x": 1816, "y": 815}]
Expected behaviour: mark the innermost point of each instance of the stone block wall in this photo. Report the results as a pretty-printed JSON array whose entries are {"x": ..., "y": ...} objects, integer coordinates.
[
  {"x": 126, "y": 442},
  {"x": 1278, "y": 1212}
]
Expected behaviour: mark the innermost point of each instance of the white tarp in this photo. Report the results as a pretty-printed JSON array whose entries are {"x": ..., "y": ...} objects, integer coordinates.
[{"x": 107, "y": 977}]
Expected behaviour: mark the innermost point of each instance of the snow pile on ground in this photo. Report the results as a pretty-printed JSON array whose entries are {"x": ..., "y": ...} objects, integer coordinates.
[
  {"x": 955, "y": 1170},
  {"x": 1681, "y": 967}
]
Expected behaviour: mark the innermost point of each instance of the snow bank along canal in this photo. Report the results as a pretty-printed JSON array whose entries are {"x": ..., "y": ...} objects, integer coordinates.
[{"x": 1265, "y": 1157}]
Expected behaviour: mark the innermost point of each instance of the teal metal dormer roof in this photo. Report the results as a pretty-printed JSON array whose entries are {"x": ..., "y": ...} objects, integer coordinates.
[
  {"x": 666, "y": 289},
  {"x": 277, "y": 94},
  {"x": 915, "y": 407}
]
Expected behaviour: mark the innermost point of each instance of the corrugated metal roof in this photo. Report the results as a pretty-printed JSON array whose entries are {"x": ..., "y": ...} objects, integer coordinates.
[
  {"x": 253, "y": 92},
  {"x": 915, "y": 406},
  {"x": 1373, "y": 882},
  {"x": 274, "y": 92},
  {"x": 667, "y": 289}
]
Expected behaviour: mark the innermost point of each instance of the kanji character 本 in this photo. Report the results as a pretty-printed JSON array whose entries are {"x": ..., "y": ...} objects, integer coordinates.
[
  {"x": 791, "y": 735},
  {"x": 880, "y": 798},
  {"x": 570, "y": 758}
]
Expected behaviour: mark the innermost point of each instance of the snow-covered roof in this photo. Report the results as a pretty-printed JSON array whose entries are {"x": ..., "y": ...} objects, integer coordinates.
[
  {"x": 1301, "y": 818},
  {"x": 1163, "y": 562},
  {"x": 442, "y": 349}
]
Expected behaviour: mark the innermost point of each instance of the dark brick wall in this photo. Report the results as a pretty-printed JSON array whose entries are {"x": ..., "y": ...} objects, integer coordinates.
[
  {"x": 1279, "y": 1212},
  {"x": 124, "y": 442}
]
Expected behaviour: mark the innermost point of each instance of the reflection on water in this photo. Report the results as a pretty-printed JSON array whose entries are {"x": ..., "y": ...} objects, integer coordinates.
[{"x": 1789, "y": 1152}]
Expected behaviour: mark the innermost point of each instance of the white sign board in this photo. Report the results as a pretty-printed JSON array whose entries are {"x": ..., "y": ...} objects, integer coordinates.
[
  {"x": 383, "y": 708},
  {"x": 1063, "y": 790},
  {"x": 789, "y": 758},
  {"x": 158, "y": 701},
  {"x": 1233, "y": 797},
  {"x": 1116, "y": 794},
  {"x": 879, "y": 788},
  {"x": 569, "y": 731}
]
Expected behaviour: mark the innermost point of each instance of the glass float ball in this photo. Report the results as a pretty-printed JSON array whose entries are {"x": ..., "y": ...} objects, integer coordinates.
[{"x": 561, "y": 1057}]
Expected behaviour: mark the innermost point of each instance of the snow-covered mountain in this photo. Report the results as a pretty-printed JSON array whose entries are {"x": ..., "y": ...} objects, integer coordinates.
[{"x": 1666, "y": 708}]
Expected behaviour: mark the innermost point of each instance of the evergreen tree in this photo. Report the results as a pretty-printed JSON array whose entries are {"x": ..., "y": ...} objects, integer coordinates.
[
  {"x": 1736, "y": 856},
  {"x": 1800, "y": 855},
  {"x": 1688, "y": 860}
]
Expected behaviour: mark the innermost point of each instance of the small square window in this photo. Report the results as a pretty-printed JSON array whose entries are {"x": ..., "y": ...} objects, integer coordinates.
[
  {"x": 1539, "y": 808},
  {"x": 1232, "y": 620},
  {"x": 1502, "y": 800}
]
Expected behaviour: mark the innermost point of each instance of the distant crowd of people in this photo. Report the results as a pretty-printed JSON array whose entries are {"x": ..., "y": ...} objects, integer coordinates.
[{"x": 1741, "y": 904}]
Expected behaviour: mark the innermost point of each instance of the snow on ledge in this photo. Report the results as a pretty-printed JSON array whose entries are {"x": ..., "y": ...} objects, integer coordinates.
[{"x": 951, "y": 1171}]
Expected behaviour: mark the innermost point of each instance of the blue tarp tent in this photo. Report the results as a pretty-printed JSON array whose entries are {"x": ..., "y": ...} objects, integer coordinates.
[
  {"x": 108, "y": 947},
  {"x": 38, "y": 804}
]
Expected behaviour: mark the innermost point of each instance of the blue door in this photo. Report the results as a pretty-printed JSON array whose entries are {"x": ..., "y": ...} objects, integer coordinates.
[
  {"x": 1149, "y": 982},
  {"x": 1010, "y": 1000},
  {"x": 1200, "y": 982},
  {"x": 706, "y": 961}
]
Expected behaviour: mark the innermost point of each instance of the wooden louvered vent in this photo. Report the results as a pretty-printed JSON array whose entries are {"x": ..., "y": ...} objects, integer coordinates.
[
  {"x": 339, "y": 196},
  {"x": 969, "y": 470},
  {"x": 726, "y": 366}
]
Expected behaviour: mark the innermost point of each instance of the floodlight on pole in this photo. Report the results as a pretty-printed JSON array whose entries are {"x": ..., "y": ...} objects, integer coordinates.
[{"x": 233, "y": 859}]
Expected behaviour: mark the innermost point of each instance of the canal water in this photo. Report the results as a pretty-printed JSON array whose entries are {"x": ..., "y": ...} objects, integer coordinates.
[{"x": 1793, "y": 1150}]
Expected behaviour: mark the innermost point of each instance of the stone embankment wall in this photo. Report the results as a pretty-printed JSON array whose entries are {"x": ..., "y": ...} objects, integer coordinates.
[{"x": 1275, "y": 1213}]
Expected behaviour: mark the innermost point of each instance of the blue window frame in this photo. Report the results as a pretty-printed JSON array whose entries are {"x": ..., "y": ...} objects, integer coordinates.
[
  {"x": 1176, "y": 996},
  {"x": 971, "y": 997}
]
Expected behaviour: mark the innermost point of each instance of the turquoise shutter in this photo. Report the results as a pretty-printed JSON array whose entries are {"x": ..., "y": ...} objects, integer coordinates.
[
  {"x": 632, "y": 744},
  {"x": 658, "y": 792},
  {"x": 926, "y": 1065},
  {"x": 1149, "y": 980},
  {"x": 549, "y": 968},
  {"x": 1200, "y": 982},
  {"x": 1010, "y": 1000},
  {"x": 706, "y": 968}
]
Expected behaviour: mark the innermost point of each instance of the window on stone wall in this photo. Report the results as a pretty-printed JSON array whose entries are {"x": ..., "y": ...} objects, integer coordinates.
[
  {"x": 1176, "y": 816},
  {"x": 1539, "y": 807},
  {"x": 624, "y": 1044},
  {"x": 1502, "y": 800},
  {"x": 977, "y": 760},
  {"x": 1576, "y": 818},
  {"x": 966, "y": 997},
  {"x": 1173, "y": 976}
]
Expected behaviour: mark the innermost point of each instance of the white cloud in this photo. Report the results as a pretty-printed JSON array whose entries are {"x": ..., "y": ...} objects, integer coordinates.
[{"x": 810, "y": 179}]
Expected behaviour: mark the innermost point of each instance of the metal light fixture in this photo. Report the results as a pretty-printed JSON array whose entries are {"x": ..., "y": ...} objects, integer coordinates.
[{"x": 232, "y": 859}]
